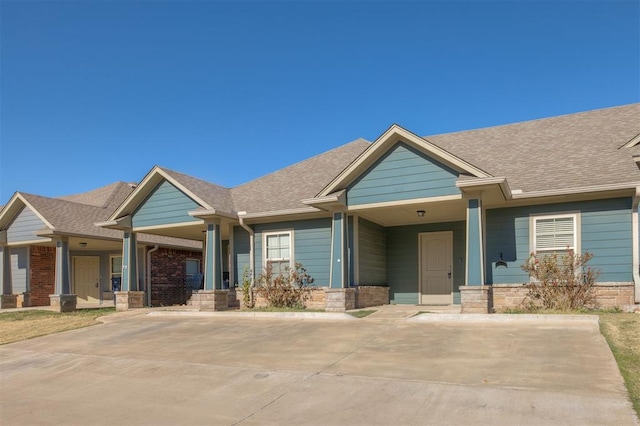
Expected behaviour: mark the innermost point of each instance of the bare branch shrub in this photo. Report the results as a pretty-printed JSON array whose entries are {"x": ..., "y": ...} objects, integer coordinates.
[
  {"x": 284, "y": 290},
  {"x": 560, "y": 282}
]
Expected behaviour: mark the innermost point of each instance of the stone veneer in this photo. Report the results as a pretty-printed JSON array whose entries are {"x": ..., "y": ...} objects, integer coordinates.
[
  {"x": 476, "y": 299},
  {"x": 608, "y": 295}
]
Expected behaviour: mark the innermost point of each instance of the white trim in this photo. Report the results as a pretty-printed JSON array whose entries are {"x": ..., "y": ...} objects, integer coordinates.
[
  {"x": 517, "y": 193},
  {"x": 406, "y": 202},
  {"x": 30, "y": 242},
  {"x": 577, "y": 236},
  {"x": 10, "y": 206},
  {"x": 635, "y": 244},
  {"x": 633, "y": 142},
  {"x": 291, "y": 258},
  {"x": 287, "y": 212},
  {"x": 387, "y": 140},
  {"x": 168, "y": 225}
]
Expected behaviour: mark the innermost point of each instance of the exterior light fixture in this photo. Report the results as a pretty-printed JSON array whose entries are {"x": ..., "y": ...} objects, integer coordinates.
[
  {"x": 83, "y": 244},
  {"x": 420, "y": 213}
]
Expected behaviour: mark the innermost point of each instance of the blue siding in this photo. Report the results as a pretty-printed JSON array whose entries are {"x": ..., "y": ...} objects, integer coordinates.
[
  {"x": 403, "y": 259},
  {"x": 241, "y": 252},
  {"x": 402, "y": 173},
  {"x": 474, "y": 238},
  {"x": 312, "y": 245},
  {"x": 166, "y": 204},
  {"x": 372, "y": 253},
  {"x": 605, "y": 232},
  {"x": 25, "y": 226},
  {"x": 19, "y": 269}
]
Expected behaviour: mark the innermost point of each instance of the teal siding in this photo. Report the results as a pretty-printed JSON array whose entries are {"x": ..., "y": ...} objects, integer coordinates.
[
  {"x": 403, "y": 259},
  {"x": 312, "y": 245},
  {"x": 350, "y": 242},
  {"x": 403, "y": 173},
  {"x": 372, "y": 253},
  {"x": 474, "y": 238},
  {"x": 241, "y": 252},
  {"x": 605, "y": 232},
  {"x": 25, "y": 227},
  {"x": 165, "y": 205}
]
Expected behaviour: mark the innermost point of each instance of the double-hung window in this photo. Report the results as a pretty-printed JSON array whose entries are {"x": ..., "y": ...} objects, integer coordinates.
[
  {"x": 278, "y": 249},
  {"x": 555, "y": 234},
  {"x": 115, "y": 272},
  {"x": 194, "y": 277}
]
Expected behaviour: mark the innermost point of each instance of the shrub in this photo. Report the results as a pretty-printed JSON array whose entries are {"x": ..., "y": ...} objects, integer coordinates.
[
  {"x": 284, "y": 290},
  {"x": 247, "y": 294},
  {"x": 560, "y": 282}
]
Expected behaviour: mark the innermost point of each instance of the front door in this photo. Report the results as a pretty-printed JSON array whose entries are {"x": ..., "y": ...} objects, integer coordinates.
[
  {"x": 436, "y": 261},
  {"x": 86, "y": 278}
]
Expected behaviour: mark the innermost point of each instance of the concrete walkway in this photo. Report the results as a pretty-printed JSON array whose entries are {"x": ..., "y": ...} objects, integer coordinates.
[{"x": 163, "y": 368}]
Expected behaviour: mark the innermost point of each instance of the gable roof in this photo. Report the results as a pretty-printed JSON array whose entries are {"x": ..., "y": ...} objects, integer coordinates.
[
  {"x": 286, "y": 188},
  {"x": 569, "y": 152},
  {"x": 76, "y": 214}
]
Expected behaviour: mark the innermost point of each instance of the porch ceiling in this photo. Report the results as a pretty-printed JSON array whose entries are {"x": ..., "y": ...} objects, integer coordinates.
[{"x": 406, "y": 214}]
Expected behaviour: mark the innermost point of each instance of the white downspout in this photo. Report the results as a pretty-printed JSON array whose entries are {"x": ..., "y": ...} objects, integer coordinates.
[
  {"x": 155, "y": 248},
  {"x": 252, "y": 263},
  {"x": 635, "y": 236}
]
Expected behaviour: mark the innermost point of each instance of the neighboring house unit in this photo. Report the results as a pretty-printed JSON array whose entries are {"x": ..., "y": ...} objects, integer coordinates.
[
  {"x": 51, "y": 247},
  {"x": 437, "y": 220}
]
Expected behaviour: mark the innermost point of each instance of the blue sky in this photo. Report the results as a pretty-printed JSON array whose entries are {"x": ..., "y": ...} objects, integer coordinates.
[{"x": 93, "y": 92}]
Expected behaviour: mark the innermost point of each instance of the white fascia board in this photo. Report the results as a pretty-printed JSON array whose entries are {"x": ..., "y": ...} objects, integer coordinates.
[
  {"x": 201, "y": 214},
  {"x": 501, "y": 182},
  {"x": 579, "y": 190},
  {"x": 185, "y": 190},
  {"x": 335, "y": 200},
  {"x": 289, "y": 212},
  {"x": 393, "y": 135},
  {"x": 12, "y": 208},
  {"x": 633, "y": 142}
]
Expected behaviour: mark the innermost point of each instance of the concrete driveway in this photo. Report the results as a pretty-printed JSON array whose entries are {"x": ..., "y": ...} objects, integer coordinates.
[{"x": 195, "y": 370}]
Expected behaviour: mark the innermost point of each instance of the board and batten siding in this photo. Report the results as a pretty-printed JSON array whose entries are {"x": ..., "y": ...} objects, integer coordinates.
[
  {"x": 605, "y": 232},
  {"x": 403, "y": 173},
  {"x": 25, "y": 226},
  {"x": 372, "y": 253},
  {"x": 403, "y": 259},
  {"x": 312, "y": 246},
  {"x": 165, "y": 205},
  {"x": 19, "y": 269}
]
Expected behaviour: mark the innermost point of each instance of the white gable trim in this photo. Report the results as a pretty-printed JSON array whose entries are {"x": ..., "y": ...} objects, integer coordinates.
[
  {"x": 10, "y": 211},
  {"x": 633, "y": 142},
  {"x": 148, "y": 184},
  {"x": 385, "y": 142}
]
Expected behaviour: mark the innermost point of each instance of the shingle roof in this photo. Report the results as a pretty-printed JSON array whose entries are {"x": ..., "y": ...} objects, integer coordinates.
[
  {"x": 109, "y": 196},
  {"x": 216, "y": 196},
  {"x": 563, "y": 152},
  {"x": 285, "y": 188}
]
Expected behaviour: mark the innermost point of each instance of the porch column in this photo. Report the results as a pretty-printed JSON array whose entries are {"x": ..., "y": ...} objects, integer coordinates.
[
  {"x": 62, "y": 299},
  {"x": 339, "y": 251},
  {"x": 475, "y": 243},
  {"x": 9, "y": 300},
  {"x": 129, "y": 262},
  {"x": 213, "y": 257}
]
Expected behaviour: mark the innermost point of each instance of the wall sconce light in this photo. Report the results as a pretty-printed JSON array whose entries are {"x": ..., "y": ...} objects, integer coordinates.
[
  {"x": 420, "y": 213},
  {"x": 82, "y": 244}
]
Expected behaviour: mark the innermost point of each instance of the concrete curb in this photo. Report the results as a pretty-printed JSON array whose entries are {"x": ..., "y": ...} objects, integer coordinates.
[
  {"x": 503, "y": 318},
  {"x": 288, "y": 315}
]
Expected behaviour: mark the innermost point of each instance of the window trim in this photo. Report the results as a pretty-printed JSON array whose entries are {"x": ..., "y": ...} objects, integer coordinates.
[
  {"x": 577, "y": 237},
  {"x": 111, "y": 273},
  {"x": 265, "y": 251}
]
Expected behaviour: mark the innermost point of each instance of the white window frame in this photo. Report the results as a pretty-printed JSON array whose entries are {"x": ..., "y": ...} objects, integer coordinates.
[
  {"x": 265, "y": 248},
  {"x": 534, "y": 236},
  {"x": 186, "y": 269},
  {"x": 113, "y": 274}
]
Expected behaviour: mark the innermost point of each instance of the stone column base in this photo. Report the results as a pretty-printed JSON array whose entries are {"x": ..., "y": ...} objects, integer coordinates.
[
  {"x": 9, "y": 301},
  {"x": 339, "y": 299},
  {"x": 210, "y": 300},
  {"x": 476, "y": 299},
  {"x": 126, "y": 300},
  {"x": 26, "y": 299},
  {"x": 63, "y": 302}
]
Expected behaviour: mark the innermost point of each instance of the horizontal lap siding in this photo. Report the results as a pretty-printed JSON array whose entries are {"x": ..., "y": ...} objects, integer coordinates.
[
  {"x": 165, "y": 205},
  {"x": 403, "y": 259},
  {"x": 241, "y": 252},
  {"x": 605, "y": 232},
  {"x": 25, "y": 227},
  {"x": 372, "y": 253},
  {"x": 312, "y": 246},
  {"x": 402, "y": 174},
  {"x": 19, "y": 269}
]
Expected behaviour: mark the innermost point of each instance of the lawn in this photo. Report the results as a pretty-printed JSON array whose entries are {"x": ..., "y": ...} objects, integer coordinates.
[{"x": 22, "y": 325}]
